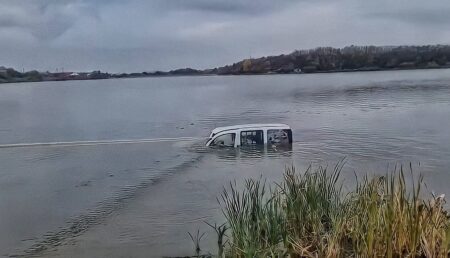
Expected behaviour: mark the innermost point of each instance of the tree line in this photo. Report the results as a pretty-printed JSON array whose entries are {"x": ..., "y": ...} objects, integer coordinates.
[{"x": 329, "y": 59}]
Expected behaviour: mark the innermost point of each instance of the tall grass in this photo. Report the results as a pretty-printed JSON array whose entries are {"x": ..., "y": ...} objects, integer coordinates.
[
  {"x": 255, "y": 219},
  {"x": 308, "y": 215}
]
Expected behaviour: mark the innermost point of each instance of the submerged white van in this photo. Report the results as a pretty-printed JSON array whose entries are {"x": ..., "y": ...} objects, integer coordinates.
[{"x": 250, "y": 134}]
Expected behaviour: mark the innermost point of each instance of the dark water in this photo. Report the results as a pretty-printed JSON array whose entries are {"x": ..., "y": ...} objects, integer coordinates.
[{"x": 141, "y": 199}]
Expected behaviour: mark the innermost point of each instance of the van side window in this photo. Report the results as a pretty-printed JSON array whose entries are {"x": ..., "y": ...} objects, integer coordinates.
[
  {"x": 226, "y": 140},
  {"x": 277, "y": 136},
  {"x": 252, "y": 137}
]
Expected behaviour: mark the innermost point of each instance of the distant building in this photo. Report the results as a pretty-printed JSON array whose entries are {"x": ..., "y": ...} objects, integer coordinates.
[{"x": 246, "y": 65}]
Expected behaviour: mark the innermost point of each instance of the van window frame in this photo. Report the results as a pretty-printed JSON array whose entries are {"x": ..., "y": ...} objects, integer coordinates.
[
  {"x": 287, "y": 131},
  {"x": 233, "y": 137},
  {"x": 257, "y": 131}
]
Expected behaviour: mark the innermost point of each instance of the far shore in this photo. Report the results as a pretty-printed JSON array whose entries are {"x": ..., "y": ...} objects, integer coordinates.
[
  {"x": 168, "y": 74},
  {"x": 319, "y": 60}
]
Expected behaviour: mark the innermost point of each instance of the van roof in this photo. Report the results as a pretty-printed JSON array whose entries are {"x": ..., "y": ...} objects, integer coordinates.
[{"x": 247, "y": 126}]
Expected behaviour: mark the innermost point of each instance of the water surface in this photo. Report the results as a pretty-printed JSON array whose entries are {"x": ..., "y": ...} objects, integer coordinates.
[{"x": 140, "y": 200}]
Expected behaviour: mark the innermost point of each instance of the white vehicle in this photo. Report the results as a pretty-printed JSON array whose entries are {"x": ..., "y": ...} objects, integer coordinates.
[{"x": 250, "y": 135}]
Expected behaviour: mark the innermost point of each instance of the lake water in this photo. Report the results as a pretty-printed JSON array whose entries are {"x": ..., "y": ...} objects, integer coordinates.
[{"x": 141, "y": 199}]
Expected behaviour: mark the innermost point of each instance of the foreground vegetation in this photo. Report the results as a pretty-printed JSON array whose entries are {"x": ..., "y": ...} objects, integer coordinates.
[{"x": 309, "y": 215}]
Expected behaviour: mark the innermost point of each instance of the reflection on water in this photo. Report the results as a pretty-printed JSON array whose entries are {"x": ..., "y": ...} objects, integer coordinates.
[
  {"x": 252, "y": 153},
  {"x": 140, "y": 200},
  {"x": 248, "y": 152}
]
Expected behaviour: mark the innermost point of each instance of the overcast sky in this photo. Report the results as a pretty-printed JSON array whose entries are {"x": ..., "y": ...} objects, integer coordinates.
[{"x": 148, "y": 35}]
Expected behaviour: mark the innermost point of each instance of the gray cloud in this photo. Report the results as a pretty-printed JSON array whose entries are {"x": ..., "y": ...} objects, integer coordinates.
[
  {"x": 235, "y": 7},
  {"x": 44, "y": 20},
  {"x": 439, "y": 17},
  {"x": 147, "y": 35}
]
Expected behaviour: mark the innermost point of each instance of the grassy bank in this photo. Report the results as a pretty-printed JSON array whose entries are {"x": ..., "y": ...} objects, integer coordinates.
[{"x": 308, "y": 215}]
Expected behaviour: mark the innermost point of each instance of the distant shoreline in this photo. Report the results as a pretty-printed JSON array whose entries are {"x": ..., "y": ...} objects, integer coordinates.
[
  {"x": 235, "y": 74},
  {"x": 312, "y": 61}
]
